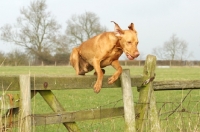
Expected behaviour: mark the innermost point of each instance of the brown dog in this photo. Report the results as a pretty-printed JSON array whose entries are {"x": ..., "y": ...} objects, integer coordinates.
[{"x": 103, "y": 50}]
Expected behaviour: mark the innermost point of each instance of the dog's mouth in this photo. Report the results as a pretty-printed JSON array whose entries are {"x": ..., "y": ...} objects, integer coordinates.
[{"x": 130, "y": 57}]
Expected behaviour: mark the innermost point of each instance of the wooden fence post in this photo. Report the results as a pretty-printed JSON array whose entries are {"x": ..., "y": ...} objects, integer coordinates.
[
  {"x": 52, "y": 101},
  {"x": 1, "y": 125},
  {"x": 146, "y": 107},
  {"x": 25, "y": 103},
  {"x": 129, "y": 112}
]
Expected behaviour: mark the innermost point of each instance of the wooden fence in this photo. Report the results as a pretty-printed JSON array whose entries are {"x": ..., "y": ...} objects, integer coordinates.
[
  {"x": 161, "y": 63},
  {"x": 29, "y": 86}
]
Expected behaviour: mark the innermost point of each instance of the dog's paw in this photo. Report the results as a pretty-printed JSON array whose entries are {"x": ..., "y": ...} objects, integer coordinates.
[
  {"x": 111, "y": 80},
  {"x": 97, "y": 87}
]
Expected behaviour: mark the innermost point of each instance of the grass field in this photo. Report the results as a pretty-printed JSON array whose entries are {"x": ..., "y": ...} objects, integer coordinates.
[{"x": 74, "y": 100}]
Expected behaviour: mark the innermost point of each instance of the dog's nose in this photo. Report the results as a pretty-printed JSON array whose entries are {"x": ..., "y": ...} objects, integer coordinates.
[{"x": 137, "y": 54}]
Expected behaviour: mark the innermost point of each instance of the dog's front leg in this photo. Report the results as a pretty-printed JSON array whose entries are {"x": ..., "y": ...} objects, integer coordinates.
[
  {"x": 118, "y": 72},
  {"x": 98, "y": 84}
]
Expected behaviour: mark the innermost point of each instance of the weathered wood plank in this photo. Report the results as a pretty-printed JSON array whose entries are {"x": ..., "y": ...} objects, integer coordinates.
[
  {"x": 129, "y": 111},
  {"x": 52, "y": 101},
  {"x": 25, "y": 103},
  {"x": 176, "y": 85},
  {"x": 70, "y": 82},
  {"x": 146, "y": 107},
  {"x": 11, "y": 83},
  {"x": 67, "y": 117}
]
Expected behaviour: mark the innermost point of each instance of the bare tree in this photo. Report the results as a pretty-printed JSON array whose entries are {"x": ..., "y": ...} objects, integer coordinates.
[
  {"x": 62, "y": 42},
  {"x": 158, "y": 51},
  {"x": 36, "y": 30},
  {"x": 82, "y": 27},
  {"x": 173, "y": 49},
  {"x": 62, "y": 52},
  {"x": 183, "y": 51}
]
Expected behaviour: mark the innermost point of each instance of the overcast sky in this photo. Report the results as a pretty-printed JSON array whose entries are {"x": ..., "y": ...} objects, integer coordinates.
[{"x": 155, "y": 20}]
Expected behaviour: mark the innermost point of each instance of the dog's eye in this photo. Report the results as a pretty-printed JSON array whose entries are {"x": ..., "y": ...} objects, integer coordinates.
[{"x": 129, "y": 42}]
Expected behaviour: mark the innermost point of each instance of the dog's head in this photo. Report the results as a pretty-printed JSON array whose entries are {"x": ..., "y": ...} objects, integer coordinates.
[{"x": 128, "y": 40}]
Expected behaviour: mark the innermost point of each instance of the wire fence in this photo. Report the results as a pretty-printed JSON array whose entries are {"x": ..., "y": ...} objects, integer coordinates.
[
  {"x": 176, "y": 114},
  {"x": 183, "y": 116}
]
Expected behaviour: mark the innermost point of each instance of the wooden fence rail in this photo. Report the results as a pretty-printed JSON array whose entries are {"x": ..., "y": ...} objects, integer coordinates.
[{"x": 11, "y": 83}]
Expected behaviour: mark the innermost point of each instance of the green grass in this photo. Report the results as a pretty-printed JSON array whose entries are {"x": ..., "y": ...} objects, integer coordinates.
[
  {"x": 174, "y": 73},
  {"x": 75, "y": 100}
]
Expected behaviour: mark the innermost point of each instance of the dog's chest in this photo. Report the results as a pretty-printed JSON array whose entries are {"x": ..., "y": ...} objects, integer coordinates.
[
  {"x": 116, "y": 52},
  {"x": 112, "y": 55}
]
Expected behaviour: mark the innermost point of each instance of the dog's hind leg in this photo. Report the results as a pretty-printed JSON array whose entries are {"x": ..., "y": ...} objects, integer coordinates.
[{"x": 74, "y": 60}]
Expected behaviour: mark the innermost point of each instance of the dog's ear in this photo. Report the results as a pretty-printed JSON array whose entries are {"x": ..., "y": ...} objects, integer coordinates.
[
  {"x": 131, "y": 26},
  {"x": 118, "y": 31}
]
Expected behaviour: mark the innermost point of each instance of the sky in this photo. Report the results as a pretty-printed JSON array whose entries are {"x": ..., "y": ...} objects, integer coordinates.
[{"x": 155, "y": 20}]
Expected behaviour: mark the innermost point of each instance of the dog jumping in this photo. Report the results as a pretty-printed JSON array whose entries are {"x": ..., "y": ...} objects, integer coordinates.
[{"x": 103, "y": 50}]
